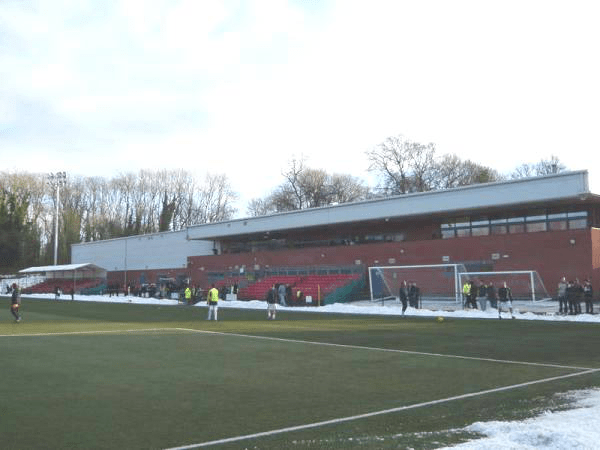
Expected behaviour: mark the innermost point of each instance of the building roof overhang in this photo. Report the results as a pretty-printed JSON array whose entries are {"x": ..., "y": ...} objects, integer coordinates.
[
  {"x": 566, "y": 187},
  {"x": 84, "y": 267}
]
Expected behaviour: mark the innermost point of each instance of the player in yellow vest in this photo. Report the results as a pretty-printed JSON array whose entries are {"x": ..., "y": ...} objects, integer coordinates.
[{"x": 212, "y": 299}]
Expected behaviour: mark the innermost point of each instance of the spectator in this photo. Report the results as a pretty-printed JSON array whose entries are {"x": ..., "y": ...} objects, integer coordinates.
[
  {"x": 473, "y": 295},
  {"x": 271, "y": 303},
  {"x": 491, "y": 295},
  {"x": 587, "y": 295},
  {"x": 403, "y": 294},
  {"x": 482, "y": 293},
  {"x": 571, "y": 293},
  {"x": 15, "y": 302},
  {"x": 562, "y": 296},
  {"x": 505, "y": 297},
  {"x": 281, "y": 292}
]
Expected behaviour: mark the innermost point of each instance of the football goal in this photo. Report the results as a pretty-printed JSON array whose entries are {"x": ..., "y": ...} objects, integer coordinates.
[
  {"x": 435, "y": 281},
  {"x": 524, "y": 284}
]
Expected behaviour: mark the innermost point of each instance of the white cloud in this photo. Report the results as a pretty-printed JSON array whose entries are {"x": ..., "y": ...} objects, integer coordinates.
[{"x": 248, "y": 85}]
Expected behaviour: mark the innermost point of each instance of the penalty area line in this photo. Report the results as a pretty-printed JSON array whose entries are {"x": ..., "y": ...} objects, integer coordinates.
[
  {"x": 389, "y": 350},
  {"x": 377, "y": 413}
]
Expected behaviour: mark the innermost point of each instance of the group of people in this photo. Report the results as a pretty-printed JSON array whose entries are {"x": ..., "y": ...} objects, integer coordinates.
[
  {"x": 279, "y": 294},
  {"x": 570, "y": 295},
  {"x": 410, "y": 294},
  {"x": 487, "y": 293}
]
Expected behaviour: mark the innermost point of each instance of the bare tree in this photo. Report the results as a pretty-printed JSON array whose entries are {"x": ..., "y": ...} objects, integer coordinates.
[
  {"x": 543, "y": 167},
  {"x": 260, "y": 207}
]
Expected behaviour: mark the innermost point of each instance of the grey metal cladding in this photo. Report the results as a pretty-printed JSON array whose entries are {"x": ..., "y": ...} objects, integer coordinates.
[{"x": 500, "y": 194}]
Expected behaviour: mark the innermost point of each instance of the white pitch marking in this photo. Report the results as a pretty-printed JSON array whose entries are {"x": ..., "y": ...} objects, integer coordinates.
[
  {"x": 391, "y": 350},
  {"x": 67, "y": 333},
  {"x": 376, "y": 413}
]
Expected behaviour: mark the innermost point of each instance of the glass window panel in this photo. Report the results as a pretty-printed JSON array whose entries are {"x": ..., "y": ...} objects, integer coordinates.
[
  {"x": 577, "y": 224},
  {"x": 448, "y": 225},
  {"x": 499, "y": 229},
  {"x": 516, "y": 219},
  {"x": 578, "y": 214},
  {"x": 557, "y": 225},
  {"x": 463, "y": 232},
  {"x": 538, "y": 218},
  {"x": 499, "y": 221},
  {"x": 480, "y": 222},
  {"x": 536, "y": 227},
  {"x": 516, "y": 228},
  {"x": 480, "y": 231},
  {"x": 557, "y": 216},
  {"x": 447, "y": 234}
]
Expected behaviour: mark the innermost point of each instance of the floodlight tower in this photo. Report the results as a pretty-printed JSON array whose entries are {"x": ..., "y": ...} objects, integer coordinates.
[{"x": 56, "y": 180}]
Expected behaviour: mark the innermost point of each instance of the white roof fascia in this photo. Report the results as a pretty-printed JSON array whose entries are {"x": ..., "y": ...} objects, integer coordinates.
[
  {"x": 58, "y": 268},
  {"x": 500, "y": 194}
]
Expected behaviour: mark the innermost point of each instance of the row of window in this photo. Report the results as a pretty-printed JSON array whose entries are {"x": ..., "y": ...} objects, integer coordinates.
[{"x": 484, "y": 226}]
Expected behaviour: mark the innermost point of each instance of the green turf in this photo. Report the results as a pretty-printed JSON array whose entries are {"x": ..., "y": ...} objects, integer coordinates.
[{"x": 152, "y": 377}]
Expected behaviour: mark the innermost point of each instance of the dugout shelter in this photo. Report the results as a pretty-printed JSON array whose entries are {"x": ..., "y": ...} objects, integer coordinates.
[
  {"x": 549, "y": 224},
  {"x": 78, "y": 278}
]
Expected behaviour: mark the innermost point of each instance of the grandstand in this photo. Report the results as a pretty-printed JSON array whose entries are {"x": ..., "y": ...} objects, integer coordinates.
[{"x": 549, "y": 225}]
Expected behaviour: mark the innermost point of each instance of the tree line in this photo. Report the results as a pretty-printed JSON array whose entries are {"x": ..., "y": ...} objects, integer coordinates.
[
  {"x": 149, "y": 201},
  {"x": 96, "y": 208}
]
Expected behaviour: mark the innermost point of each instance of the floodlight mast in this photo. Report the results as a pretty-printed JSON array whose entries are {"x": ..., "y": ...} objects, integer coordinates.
[{"x": 57, "y": 180}]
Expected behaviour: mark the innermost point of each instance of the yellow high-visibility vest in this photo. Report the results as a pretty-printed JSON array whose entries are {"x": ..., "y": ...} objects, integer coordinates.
[{"x": 213, "y": 295}]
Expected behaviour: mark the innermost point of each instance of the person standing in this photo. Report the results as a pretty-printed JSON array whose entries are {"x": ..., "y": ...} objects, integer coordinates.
[
  {"x": 403, "y": 294},
  {"x": 578, "y": 290},
  {"x": 212, "y": 299},
  {"x": 474, "y": 292},
  {"x": 15, "y": 302},
  {"x": 562, "y": 296},
  {"x": 466, "y": 294},
  {"x": 281, "y": 292},
  {"x": 587, "y": 295},
  {"x": 482, "y": 293},
  {"x": 505, "y": 296},
  {"x": 491, "y": 295},
  {"x": 271, "y": 303},
  {"x": 188, "y": 295}
]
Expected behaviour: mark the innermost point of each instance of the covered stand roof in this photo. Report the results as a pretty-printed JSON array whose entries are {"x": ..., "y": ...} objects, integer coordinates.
[
  {"x": 562, "y": 187},
  {"x": 63, "y": 270}
]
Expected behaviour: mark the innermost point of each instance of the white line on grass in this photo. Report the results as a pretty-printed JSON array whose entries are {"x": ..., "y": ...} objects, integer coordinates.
[
  {"x": 67, "y": 333},
  {"x": 377, "y": 413},
  {"x": 392, "y": 350}
]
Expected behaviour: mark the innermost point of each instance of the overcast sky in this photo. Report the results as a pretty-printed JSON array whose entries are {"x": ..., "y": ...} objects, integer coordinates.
[{"x": 99, "y": 87}]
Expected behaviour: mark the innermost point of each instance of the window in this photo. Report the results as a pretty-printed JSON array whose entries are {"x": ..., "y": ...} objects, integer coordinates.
[
  {"x": 448, "y": 233},
  {"x": 557, "y": 222},
  {"x": 577, "y": 224},
  {"x": 536, "y": 227},
  {"x": 516, "y": 225},
  {"x": 480, "y": 226},
  {"x": 557, "y": 225}
]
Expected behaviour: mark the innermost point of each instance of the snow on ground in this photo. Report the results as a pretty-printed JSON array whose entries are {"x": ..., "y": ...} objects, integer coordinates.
[{"x": 575, "y": 428}]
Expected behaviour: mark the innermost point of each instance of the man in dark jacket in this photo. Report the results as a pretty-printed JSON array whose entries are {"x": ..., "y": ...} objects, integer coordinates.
[
  {"x": 271, "y": 303},
  {"x": 403, "y": 294},
  {"x": 505, "y": 298}
]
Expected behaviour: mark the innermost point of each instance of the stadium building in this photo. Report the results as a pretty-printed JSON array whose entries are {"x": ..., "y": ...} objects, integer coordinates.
[{"x": 545, "y": 224}]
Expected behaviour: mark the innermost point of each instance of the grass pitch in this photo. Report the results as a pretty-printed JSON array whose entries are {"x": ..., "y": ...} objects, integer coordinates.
[{"x": 89, "y": 375}]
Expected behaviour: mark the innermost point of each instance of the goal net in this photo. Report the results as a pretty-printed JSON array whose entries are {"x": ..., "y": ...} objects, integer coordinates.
[
  {"x": 524, "y": 284},
  {"x": 435, "y": 281}
]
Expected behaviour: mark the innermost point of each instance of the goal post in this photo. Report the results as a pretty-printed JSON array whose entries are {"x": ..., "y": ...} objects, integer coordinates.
[
  {"x": 439, "y": 281},
  {"x": 524, "y": 284}
]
